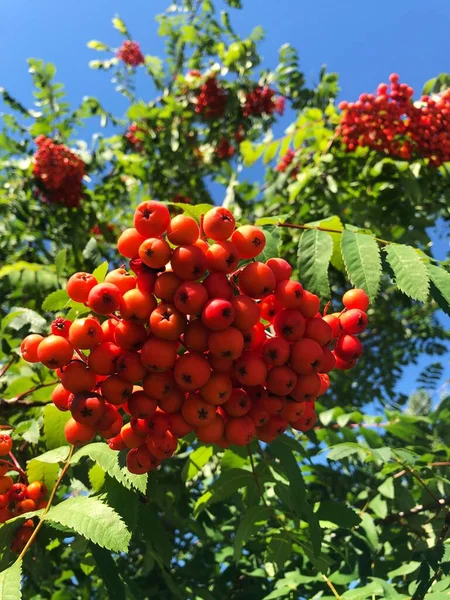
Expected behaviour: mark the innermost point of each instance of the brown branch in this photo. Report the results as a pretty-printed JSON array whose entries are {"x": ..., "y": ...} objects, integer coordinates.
[
  {"x": 18, "y": 399},
  {"x": 415, "y": 510},
  {"x": 49, "y": 503},
  {"x": 8, "y": 365}
]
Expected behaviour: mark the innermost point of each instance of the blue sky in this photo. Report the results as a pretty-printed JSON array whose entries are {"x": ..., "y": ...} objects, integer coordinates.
[{"x": 364, "y": 43}]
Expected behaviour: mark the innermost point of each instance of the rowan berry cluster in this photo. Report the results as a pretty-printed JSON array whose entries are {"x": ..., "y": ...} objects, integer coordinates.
[
  {"x": 130, "y": 53},
  {"x": 59, "y": 173},
  {"x": 131, "y": 136},
  {"x": 391, "y": 123},
  {"x": 211, "y": 100},
  {"x": 200, "y": 337},
  {"x": 17, "y": 498},
  {"x": 285, "y": 163},
  {"x": 261, "y": 100}
]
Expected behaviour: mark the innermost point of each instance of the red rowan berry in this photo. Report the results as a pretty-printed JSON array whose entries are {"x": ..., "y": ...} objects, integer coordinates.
[
  {"x": 77, "y": 433},
  {"x": 240, "y": 430},
  {"x": 79, "y": 286},
  {"x": 306, "y": 357},
  {"x": 222, "y": 257},
  {"x": 86, "y": 333},
  {"x": 218, "y": 314},
  {"x": 275, "y": 351},
  {"x": 182, "y": 230},
  {"x": 77, "y": 377},
  {"x": 191, "y": 371},
  {"x": 249, "y": 241},
  {"x": 353, "y": 321},
  {"x": 54, "y": 351},
  {"x": 356, "y": 298},
  {"x": 104, "y": 298},
  {"x": 280, "y": 267},
  {"x": 289, "y": 324},
  {"x": 188, "y": 262},
  {"x": 129, "y": 242},
  {"x": 159, "y": 355},
  {"x": 218, "y": 223},
  {"x": 61, "y": 326},
  {"x": 151, "y": 218},
  {"x": 190, "y": 297},
  {"x": 218, "y": 286},
  {"x": 122, "y": 279},
  {"x": 29, "y": 347}
]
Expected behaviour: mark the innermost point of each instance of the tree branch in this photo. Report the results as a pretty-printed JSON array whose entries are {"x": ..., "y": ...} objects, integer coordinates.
[
  {"x": 415, "y": 510},
  {"x": 49, "y": 503}
]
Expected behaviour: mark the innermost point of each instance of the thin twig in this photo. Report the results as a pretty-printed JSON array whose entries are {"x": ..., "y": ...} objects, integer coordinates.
[
  {"x": 295, "y": 226},
  {"x": 23, "y": 395},
  {"x": 420, "y": 480},
  {"x": 255, "y": 475},
  {"x": 8, "y": 365},
  {"x": 50, "y": 500},
  {"x": 17, "y": 466},
  {"x": 331, "y": 586}
]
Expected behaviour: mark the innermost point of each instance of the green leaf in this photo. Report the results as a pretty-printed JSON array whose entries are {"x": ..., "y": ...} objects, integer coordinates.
[
  {"x": 279, "y": 550},
  {"x": 368, "y": 524},
  {"x": 344, "y": 450},
  {"x": 109, "y": 572},
  {"x": 339, "y": 513},
  {"x": 314, "y": 254},
  {"x": 232, "y": 460},
  {"x": 92, "y": 519},
  {"x": 100, "y": 272},
  {"x": 42, "y": 471},
  {"x": 32, "y": 434},
  {"x": 252, "y": 521},
  {"x": 54, "y": 422},
  {"x": 55, "y": 301},
  {"x": 60, "y": 262},
  {"x": 22, "y": 265},
  {"x": 387, "y": 488},
  {"x": 334, "y": 222},
  {"x": 10, "y": 582},
  {"x": 196, "y": 461},
  {"x": 279, "y": 592},
  {"x": 54, "y": 456},
  {"x": 108, "y": 460},
  {"x": 273, "y": 240},
  {"x": 440, "y": 286},
  {"x": 271, "y": 151},
  {"x": 96, "y": 477},
  {"x": 411, "y": 276},
  {"x": 404, "y": 569},
  {"x": 124, "y": 501},
  {"x": 226, "y": 484},
  {"x": 362, "y": 261}
]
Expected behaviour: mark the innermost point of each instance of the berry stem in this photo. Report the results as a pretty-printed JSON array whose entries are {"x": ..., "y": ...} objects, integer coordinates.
[
  {"x": 81, "y": 355},
  {"x": 113, "y": 316},
  {"x": 17, "y": 467},
  {"x": 49, "y": 503},
  {"x": 202, "y": 231}
]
